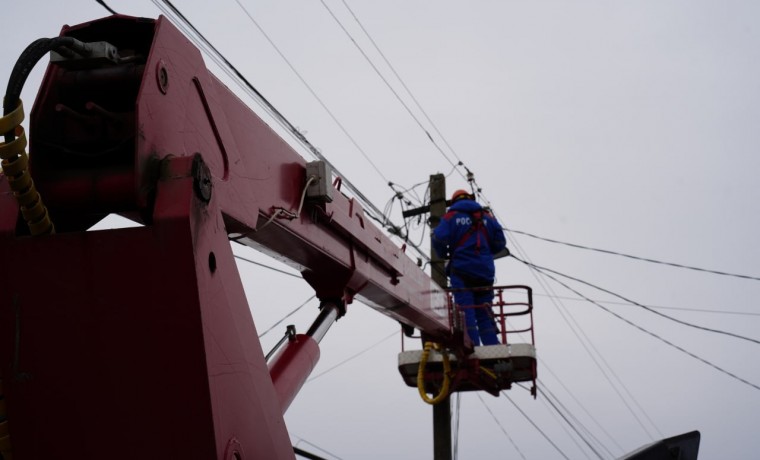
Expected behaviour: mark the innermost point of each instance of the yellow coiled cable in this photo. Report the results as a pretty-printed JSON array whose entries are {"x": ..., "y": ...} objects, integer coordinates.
[
  {"x": 15, "y": 165},
  {"x": 421, "y": 374}
]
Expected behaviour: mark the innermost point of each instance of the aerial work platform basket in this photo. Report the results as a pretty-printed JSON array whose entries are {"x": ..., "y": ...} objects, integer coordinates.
[{"x": 490, "y": 368}]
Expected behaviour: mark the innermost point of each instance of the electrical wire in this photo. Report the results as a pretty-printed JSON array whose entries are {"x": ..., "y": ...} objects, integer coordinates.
[
  {"x": 535, "y": 426},
  {"x": 264, "y": 265},
  {"x": 644, "y": 259},
  {"x": 583, "y": 408},
  {"x": 658, "y": 337},
  {"x": 306, "y": 454},
  {"x": 588, "y": 346},
  {"x": 493, "y": 416},
  {"x": 649, "y": 309},
  {"x": 300, "y": 440},
  {"x": 376, "y": 70},
  {"x": 311, "y": 90},
  {"x": 453, "y": 169},
  {"x": 599, "y": 366},
  {"x": 287, "y": 316},
  {"x": 657, "y": 307},
  {"x": 548, "y": 395},
  {"x": 354, "y": 356},
  {"x": 372, "y": 64},
  {"x": 563, "y": 426},
  {"x": 403, "y": 84},
  {"x": 406, "y": 223},
  {"x": 404, "y": 194},
  {"x": 386, "y": 218}
]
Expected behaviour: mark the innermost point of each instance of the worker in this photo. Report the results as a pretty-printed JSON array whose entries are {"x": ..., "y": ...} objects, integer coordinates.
[{"x": 469, "y": 236}]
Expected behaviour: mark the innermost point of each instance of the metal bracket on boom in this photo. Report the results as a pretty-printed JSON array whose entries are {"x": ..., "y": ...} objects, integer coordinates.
[
  {"x": 320, "y": 188},
  {"x": 80, "y": 55}
]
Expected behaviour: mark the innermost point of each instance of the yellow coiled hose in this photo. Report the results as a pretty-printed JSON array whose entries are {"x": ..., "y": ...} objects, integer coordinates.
[
  {"x": 15, "y": 164},
  {"x": 421, "y": 374}
]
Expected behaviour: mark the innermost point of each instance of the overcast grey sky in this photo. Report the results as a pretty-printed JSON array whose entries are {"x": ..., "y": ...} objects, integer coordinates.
[{"x": 629, "y": 126}]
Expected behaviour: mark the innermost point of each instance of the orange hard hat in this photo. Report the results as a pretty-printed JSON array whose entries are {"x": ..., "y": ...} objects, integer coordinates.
[{"x": 459, "y": 194}]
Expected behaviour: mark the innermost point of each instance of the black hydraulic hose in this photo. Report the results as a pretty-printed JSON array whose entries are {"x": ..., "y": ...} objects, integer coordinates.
[
  {"x": 24, "y": 65},
  {"x": 13, "y": 150}
]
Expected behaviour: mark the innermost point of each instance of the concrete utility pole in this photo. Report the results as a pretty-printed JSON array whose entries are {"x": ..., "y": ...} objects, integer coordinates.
[{"x": 442, "y": 410}]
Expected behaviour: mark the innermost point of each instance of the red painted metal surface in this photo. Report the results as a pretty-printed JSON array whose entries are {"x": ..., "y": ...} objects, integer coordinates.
[
  {"x": 139, "y": 342},
  {"x": 130, "y": 343},
  {"x": 291, "y": 366}
]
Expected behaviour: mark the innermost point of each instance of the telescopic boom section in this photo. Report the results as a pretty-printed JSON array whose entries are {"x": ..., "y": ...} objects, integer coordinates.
[
  {"x": 166, "y": 105},
  {"x": 133, "y": 342}
]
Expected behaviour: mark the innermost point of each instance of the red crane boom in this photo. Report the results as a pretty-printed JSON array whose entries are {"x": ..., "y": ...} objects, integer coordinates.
[{"x": 139, "y": 342}]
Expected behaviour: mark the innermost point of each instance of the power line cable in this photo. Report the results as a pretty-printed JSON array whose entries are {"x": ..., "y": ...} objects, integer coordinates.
[
  {"x": 593, "y": 419},
  {"x": 267, "y": 266},
  {"x": 287, "y": 316},
  {"x": 588, "y": 346},
  {"x": 621, "y": 383},
  {"x": 300, "y": 440},
  {"x": 564, "y": 427},
  {"x": 649, "y": 309},
  {"x": 306, "y": 454},
  {"x": 605, "y": 364},
  {"x": 658, "y": 307},
  {"x": 311, "y": 90},
  {"x": 535, "y": 426},
  {"x": 548, "y": 395},
  {"x": 662, "y": 339},
  {"x": 644, "y": 259},
  {"x": 354, "y": 356},
  {"x": 407, "y": 194},
  {"x": 390, "y": 87},
  {"x": 493, "y": 416},
  {"x": 403, "y": 84}
]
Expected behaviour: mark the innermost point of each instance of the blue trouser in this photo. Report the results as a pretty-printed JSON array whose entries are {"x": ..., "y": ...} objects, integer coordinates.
[{"x": 480, "y": 322}]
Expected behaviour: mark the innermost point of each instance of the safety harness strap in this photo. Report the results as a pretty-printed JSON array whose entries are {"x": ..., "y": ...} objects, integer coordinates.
[{"x": 476, "y": 227}]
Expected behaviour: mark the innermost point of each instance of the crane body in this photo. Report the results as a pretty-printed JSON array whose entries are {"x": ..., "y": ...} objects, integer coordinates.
[{"x": 139, "y": 342}]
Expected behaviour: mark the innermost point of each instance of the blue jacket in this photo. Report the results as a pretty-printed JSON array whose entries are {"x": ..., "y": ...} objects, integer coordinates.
[{"x": 470, "y": 247}]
